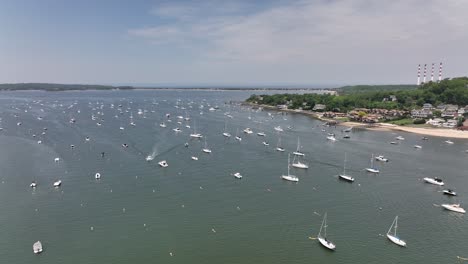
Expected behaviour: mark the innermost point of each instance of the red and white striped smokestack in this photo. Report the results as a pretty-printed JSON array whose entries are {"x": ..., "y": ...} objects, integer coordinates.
[
  {"x": 424, "y": 79},
  {"x": 432, "y": 73},
  {"x": 419, "y": 74},
  {"x": 440, "y": 72}
]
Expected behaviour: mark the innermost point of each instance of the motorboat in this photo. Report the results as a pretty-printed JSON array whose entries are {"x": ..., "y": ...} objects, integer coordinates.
[
  {"x": 331, "y": 138},
  {"x": 435, "y": 181},
  {"x": 417, "y": 146},
  {"x": 261, "y": 134},
  {"x": 57, "y": 183},
  {"x": 226, "y": 134},
  {"x": 176, "y": 129},
  {"x": 33, "y": 184},
  {"x": 400, "y": 138},
  {"x": 346, "y": 136},
  {"x": 425, "y": 138},
  {"x": 237, "y": 175},
  {"x": 37, "y": 247},
  {"x": 449, "y": 142},
  {"x": 454, "y": 208},
  {"x": 194, "y": 158},
  {"x": 163, "y": 164},
  {"x": 280, "y": 149},
  {"x": 248, "y": 131},
  {"x": 394, "y": 143},
  {"x": 449, "y": 192},
  {"x": 238, "y": 138},
  {"x": 162, "y": 125},
  {"x": 97, "y": 175},
  {"x": 149, "y": 158},
  {"x": 279, "y": 129},
  {"x": 381, "y": 158},
  {"x": 196, "y": 135},
  {"x": 265, "y": 143}
]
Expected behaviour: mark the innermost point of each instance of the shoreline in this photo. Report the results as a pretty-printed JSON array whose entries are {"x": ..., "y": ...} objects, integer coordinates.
[{"x": 435, "y": 132}]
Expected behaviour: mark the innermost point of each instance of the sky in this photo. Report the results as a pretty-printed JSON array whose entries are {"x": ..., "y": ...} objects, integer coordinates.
[{"x": 233, "y": 43}]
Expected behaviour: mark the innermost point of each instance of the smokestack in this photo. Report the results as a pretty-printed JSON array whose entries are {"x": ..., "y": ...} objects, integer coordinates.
[
  {"x": 424, "y": 79},
  {"x": 432, "y": 73},
  {"x": 419, "y": 74},
  {"x": 440, "y": 72}
]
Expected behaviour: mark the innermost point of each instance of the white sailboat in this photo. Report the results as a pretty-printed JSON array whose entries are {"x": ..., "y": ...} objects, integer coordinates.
[
  {"x": 298, "y": 164},
  {"x": 290, "y": 177},
  {"x": 278, "y": 145},
  {"x": 225, "y": 133},
  {"x": 323, "y": 238},
  {"x": 298, "y": 149},
  {"x": 237, "y": 135},
  {"x": 372, "y": 169},
  {"x": 343, "y": 176},
  {"x": 393, "y": 235},
  {"x": 206, "y": 149}
]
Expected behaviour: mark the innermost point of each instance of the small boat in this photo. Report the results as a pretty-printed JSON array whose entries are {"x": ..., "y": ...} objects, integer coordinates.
[
  {"x": 57, "y": 159},
  {"x": 331, "y": 138},
  {"x": 290, "y": 177},
  {"x": 33, "y": 184},
  {"x": 97, "y": 175},
  {"x": 344, "y": 176},
  {"x": 346, "y": 136},
  {"x": 163, "y": 164},
  {"x": 435, "y": 181},
  {"x": 298, "y": 164},
  {"x": 425, "y": 138},
  {"x": 149, "y": 158},
  {"x": 194, "y": 158},
  {"x": 261, "y": 134},
  {"x": 57, "y": 183},
  {"x": 381, "y": 158},
  {"x": 323, "y": 238},
  {"x": 206, "y": 149},
  {"x": 225, "y": 133},
  {"x": 454, "y": 208},
  {"x": 124, "y": 145},
  {"x": 372, "y": 169},
  {"x": 121, "y": 128},
  {"x": 162, "y": 125},
  {"x": 449, "y": 142},
  {"x": 279, "y": 129},
  {"x": 278, "y": 145},
  {"x": 265, "y": 143},
  {"x": 248, "y": 131},
  {"x": 37, "y": 247},
  {"x": 394, "y": 143},
  {"x": 449, "y": 192},
  {"x": 393, "y": 236},
  {"x": 176, "y": 129},
  {"x": 347, "y": 130},
  {"x": 196, "y": 135},
  {"x": 400, "y": 138},
  {"x": 237, "y": 175},
  {"x": 298, "y": 149},
  {"x": 237, "y": 136},
  {"x": 417, "y": 146}
]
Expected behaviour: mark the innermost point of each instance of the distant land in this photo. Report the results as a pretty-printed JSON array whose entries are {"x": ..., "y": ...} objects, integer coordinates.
[{"x": 53, "y": 87}]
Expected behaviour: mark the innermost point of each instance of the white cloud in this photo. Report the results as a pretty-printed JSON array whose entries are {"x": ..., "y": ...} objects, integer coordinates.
[{"x": 314, "y": 32}]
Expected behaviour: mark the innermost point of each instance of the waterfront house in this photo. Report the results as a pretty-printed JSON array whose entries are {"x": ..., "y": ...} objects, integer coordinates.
[
  {"x": 319, "y": 107},
  {"x": 427, "y": 106},
  {"x": 423, "y": 113}
]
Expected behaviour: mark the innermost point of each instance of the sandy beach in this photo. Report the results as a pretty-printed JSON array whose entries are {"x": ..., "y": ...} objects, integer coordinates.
[{"x": 435, "y": 132}]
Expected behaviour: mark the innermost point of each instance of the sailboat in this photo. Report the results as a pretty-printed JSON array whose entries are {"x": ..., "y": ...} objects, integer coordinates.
[
  {"x": 298, "y": 164},
  {"x": 393, "y": 235},
  {"x": 372, "y": 169},
  {"x": 343, "y": 176},
  {"x": 225, "y": 133},
  {"x": 290, "y": 177},
  {"x": 195, "y": 134},
  {"x": 237, "y": 135},
  {"x": 278, "y": 145},
  {"x": 206, "y": 149},
  {"x": 298, "y": 152},
  {"x": 323, "y": 239}
]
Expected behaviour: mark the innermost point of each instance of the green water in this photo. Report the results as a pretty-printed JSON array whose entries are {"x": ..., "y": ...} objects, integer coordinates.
[{"x": 196, "y": 210}]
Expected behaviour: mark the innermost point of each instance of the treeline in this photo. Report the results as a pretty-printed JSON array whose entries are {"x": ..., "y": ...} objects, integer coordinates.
[
  {"x": 448, "y": 91},
  {"x": 58, "y": 87},
  {"x": 373, "y": 88}
]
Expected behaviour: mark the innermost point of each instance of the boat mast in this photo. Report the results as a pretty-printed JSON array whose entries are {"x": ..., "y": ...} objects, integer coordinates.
[
  {"x": 288, "y": 162},
  {"x": 344, "y": 165}
]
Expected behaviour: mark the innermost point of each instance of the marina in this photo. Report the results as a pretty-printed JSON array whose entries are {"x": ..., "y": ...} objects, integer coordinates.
[{"x": 137, "y": 211}]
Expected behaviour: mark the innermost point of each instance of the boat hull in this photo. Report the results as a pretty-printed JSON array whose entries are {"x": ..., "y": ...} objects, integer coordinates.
[
  {"x": 346, "y": 178},
  {"x": 290, "y": 178},
  {"x": 396, "y": 240},
  {"x": 453, "y": 209},
  {"x": 327, "y": 244}
]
